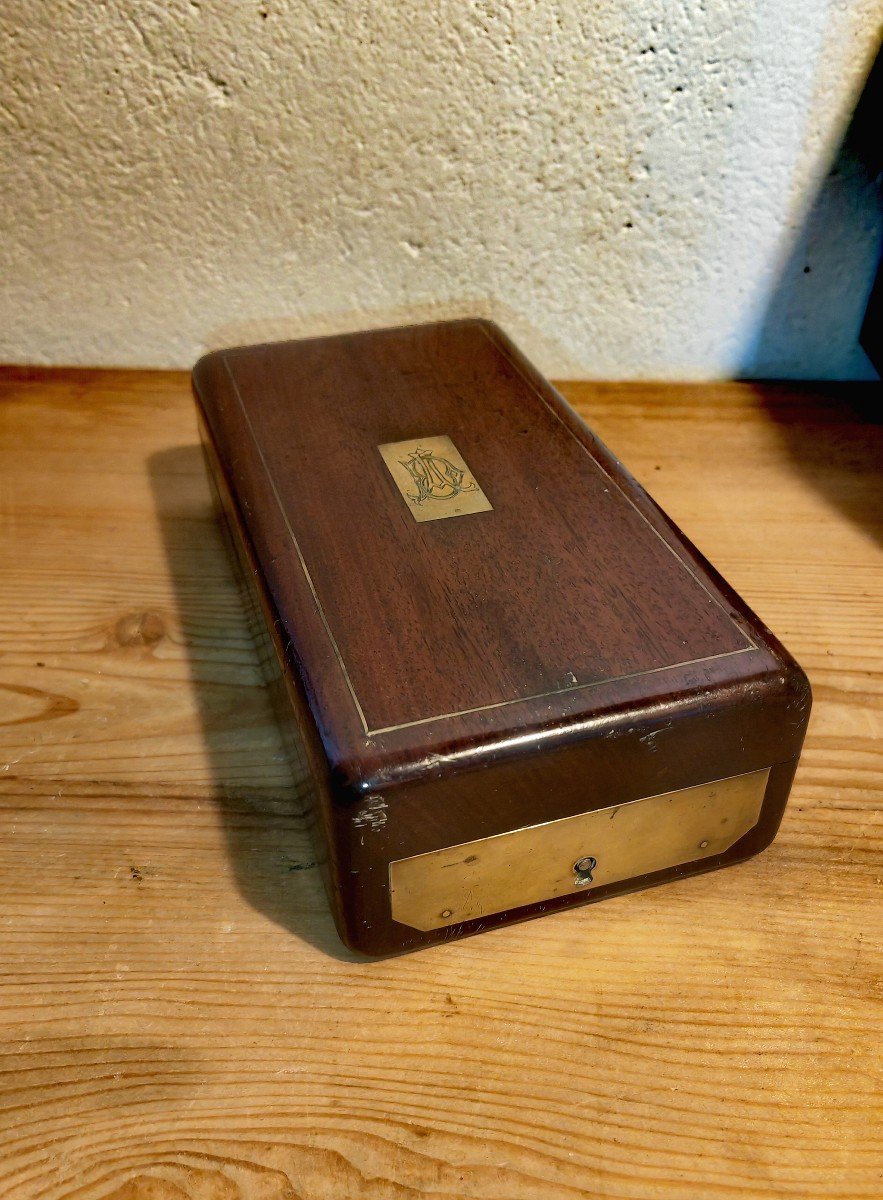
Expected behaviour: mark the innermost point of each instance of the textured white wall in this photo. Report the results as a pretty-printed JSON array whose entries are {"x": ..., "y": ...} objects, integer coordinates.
[{"x": 619, "y": 184}]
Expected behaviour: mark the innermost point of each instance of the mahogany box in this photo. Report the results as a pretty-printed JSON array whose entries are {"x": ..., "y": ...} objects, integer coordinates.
[{"x": 518, "y": 686}]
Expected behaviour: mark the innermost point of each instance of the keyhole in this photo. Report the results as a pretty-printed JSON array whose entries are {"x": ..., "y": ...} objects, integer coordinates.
[{"x": 583, "y": 868}]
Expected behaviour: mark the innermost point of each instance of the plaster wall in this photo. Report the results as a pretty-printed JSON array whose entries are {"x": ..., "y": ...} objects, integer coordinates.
[{"x": 620, "y": 184}]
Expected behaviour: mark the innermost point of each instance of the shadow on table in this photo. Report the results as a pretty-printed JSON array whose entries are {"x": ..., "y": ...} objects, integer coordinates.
[
  {"x": 813, "y": 316},
  {"x": 261, "y": 796},
  {"x": 833, "y": 435},
  {"x": 811, "y": 324}
]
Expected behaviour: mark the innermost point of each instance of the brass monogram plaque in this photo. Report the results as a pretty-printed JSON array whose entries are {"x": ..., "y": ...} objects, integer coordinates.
[
  {"x": 524, "y": 866},
  {"x": 433, "y": 478}
]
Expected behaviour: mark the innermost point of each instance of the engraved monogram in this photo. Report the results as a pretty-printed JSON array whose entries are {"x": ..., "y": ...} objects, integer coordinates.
[
  {"x": 433, "y": 478},
  {"x": 437, "y": 478}
]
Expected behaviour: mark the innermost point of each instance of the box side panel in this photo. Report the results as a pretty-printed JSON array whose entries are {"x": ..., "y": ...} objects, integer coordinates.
[{"x": 302, "y": 744}]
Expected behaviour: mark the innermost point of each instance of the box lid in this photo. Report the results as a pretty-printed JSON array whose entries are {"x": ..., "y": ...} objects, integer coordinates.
[{"x": 454, "y": 559}]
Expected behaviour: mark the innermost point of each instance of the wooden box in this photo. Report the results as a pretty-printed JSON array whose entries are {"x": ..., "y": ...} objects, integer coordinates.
[{"x": 518, "y": 685}]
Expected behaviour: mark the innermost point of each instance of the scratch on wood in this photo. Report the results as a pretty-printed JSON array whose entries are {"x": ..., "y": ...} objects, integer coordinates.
[{"x": 372, "y": 813}]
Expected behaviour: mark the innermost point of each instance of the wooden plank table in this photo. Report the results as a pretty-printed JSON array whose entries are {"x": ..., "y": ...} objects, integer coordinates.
[{"x": 178, "y": 1019}]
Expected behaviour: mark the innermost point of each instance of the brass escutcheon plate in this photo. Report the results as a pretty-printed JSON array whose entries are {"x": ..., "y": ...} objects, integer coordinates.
[
  {"x": 524, "y": 866},
  {"x": 433, "y": 478}
]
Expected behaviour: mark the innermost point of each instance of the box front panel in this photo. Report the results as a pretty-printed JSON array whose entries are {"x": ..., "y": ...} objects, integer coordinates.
[
  {"x": 410, "y": 880},
  {"x": 448, "y": 886}
]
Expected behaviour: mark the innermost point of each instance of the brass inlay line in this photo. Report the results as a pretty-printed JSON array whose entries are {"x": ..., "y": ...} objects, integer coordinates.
[
  {"x": 500, "y": 703},
  {"x": 579, "y": 687}
]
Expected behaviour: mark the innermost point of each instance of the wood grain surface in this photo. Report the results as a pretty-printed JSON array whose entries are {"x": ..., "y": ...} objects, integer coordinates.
[{"x": 177, "y": 1018}]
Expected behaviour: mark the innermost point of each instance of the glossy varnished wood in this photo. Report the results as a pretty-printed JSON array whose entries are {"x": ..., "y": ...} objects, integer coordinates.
[
  {"x": 177, "y": 1018},
  {"x": 437, "y": 627},
  {"x": 562, "y": 651}
]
